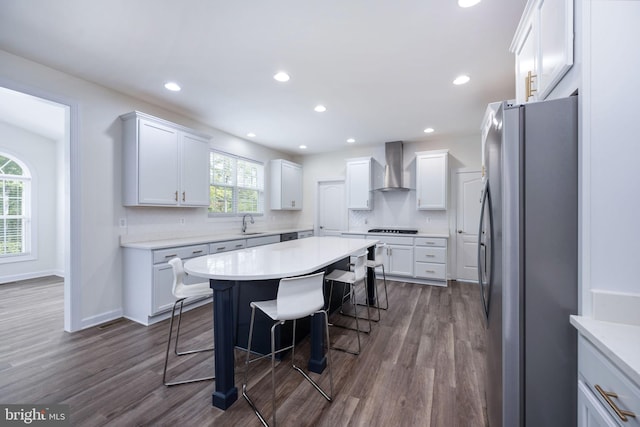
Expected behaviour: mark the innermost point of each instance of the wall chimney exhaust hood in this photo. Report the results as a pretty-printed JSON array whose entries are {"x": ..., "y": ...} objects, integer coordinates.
[{"x": 393, "y": 170}]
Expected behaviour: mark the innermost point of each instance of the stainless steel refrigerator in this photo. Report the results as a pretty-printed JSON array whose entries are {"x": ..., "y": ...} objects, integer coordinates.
[{"x": 528, "y": 263}]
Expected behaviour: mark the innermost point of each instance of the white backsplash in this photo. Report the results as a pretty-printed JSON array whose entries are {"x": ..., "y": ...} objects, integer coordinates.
[
  {"x": 398, "y": 209},
  {"x": 146, "y": 223}
]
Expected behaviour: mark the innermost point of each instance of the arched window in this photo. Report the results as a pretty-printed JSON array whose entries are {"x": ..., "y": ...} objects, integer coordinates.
[{"x": 15, "y": 195}]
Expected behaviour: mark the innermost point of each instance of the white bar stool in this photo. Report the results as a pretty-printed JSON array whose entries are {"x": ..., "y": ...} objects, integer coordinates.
[
  {"x": 375, "y": 263},
  {"x": 181, "y": 292},
  {"x": 297, "y": 297},
  {"x": 353, "y": 279}
]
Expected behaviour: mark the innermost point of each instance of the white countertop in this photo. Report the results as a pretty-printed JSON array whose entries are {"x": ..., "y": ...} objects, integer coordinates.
[
  {"x": 277, "y": 260},
  {"x": 200, "y": 239},
  {"x": 618, "y": 341}
]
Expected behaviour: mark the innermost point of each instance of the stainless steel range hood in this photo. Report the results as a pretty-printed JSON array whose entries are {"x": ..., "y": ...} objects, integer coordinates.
[{"x": 393, "y": 170}]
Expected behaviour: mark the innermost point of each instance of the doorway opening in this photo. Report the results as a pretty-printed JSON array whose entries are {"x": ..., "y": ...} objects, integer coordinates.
[{"x": 36, "y": 129}]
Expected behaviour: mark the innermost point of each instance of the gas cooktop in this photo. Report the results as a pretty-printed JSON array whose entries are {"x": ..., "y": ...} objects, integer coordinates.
[{"x": 393, "y": 230}]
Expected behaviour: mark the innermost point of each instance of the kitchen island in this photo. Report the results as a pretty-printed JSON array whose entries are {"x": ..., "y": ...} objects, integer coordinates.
[{"x": 262, "y": 268}]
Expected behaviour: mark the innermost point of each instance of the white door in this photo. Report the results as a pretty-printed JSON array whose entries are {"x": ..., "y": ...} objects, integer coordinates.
[
  {"x": 469, "y": 188},
  {"x": 331, "y": 209}
]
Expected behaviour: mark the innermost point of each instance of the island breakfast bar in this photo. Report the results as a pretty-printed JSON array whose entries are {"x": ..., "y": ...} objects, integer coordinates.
[{"x": 228, "y": 271}]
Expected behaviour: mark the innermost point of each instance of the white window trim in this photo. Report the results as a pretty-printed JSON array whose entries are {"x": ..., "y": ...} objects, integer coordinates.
[{"x": 30, "y": 237}]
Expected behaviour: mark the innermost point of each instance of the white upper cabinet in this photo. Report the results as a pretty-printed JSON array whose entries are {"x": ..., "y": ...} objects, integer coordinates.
[
  {"x": 286, "y": 185},
  {"x": 164, "y": 164},
  {"x": 543, "y": 48},
  {"x": 359, "y": 184},
  {"x": 432, "y": 176}
]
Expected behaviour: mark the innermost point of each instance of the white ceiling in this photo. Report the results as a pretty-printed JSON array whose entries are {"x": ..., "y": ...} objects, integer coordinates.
[
  {"x": 384, "y": 69},
  {"x": 36, "y": 115}
]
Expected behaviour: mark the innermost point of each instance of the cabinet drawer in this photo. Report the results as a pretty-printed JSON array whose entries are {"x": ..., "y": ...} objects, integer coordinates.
[
  {"x": 428, "y": 270},
  {"x": 391, "y": 240},
  {"x": 431, "y": 241},
  {"x": 305, "y": 234},
  {"x": 228, "y": 245},
  {"x": 597, "y": 370},
  {"x": 184, "y": 252},
  {"x": 265, "y": 240},
  {"x": 425, "y": 254}
]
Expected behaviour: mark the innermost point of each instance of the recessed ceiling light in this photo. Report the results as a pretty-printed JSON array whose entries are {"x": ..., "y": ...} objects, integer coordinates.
[
  {"x": 460, "y": 80},
  {"x": 172, "y": 86},
  {"x": 320, "y": 108},
  {"x": 468, "y": 3},
  {"x": 428, "y": 130},
  {"x": 351, "y": 140},
  {"x": 281, "y": 76},
  {"x": 303, "y": 147},
  {"x": 251, "y": 135}
]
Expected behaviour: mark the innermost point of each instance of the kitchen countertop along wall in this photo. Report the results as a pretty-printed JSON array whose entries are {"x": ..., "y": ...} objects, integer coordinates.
[{"x": 170, "y": 242}]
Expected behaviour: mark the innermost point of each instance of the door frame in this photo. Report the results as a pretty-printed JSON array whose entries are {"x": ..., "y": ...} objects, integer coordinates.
[
  {"x": 72, "y": 205},
  {"x": 316, "y": 214},
  {"x": 453, "y": 220}
]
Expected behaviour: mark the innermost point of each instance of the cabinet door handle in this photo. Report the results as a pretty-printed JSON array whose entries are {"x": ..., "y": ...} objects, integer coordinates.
[
  {"x": 430, "y": 256},
  {"x": 239, "y": 245},
  {"x": 197, "y": 252},
  {"x": 222, "y": 248},
  {"x": 171, "y": 256},
  {"x": 176, "y": 196},
  {"x": 419, "y": 202},
  {"x": 528, "y": 82},
  {"x": 430, "y": 271},
  {"x": 184, "y": 193},
  {"x": 607, "y": 395}
]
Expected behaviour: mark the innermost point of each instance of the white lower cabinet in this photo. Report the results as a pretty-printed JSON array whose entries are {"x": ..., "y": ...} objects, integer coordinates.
[
  {"x": 591, "y": 413},
  {"x": 399, "y": 260},
  {"x": 148, "y": 280},
  {"x": 431, "y": 259},
  {"x": 398, "y": 254},
  {"x": 606, "y": 396}
]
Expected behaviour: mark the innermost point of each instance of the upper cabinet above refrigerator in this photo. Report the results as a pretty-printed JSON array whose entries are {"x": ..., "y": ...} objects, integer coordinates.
[{"x": 543, "y": 48}]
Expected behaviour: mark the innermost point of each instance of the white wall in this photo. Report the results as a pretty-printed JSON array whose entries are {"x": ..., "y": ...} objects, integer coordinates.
[
  {"x": 393, "y": 208},
  {"x": 99, "y": 136},
  {"x": 40, "y": 156}
]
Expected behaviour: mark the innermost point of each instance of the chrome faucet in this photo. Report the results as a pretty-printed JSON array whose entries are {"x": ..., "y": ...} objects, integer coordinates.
[{"x": 244, "y": 222}]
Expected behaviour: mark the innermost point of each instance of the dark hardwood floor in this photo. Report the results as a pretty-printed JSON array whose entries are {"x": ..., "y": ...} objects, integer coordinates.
[{"x": 421, "y": 366}]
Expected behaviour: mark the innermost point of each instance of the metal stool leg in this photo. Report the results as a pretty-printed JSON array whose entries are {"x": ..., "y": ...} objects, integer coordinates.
[
  {"x": 357, "y": 328},
  {"x": 166, "y": 359},
  {"x": 273, "y": 365}
]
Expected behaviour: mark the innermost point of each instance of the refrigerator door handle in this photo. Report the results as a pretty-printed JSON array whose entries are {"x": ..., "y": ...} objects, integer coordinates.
[{"x": 482, "y": 249}]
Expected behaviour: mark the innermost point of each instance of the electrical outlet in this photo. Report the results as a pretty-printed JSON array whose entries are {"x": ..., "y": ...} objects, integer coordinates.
[
  {"x": 366, "y": 220},
  {"x": 123, "y": 222},
  {"x": 428, "y": 219},
  {"x": 181, "y": 221}
]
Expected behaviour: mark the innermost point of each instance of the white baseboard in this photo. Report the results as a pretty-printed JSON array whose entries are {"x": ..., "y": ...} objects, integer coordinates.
[
  {"x": 616, "y": 307},
  {"x": 98, "y": 319},
  {"x": 30, "y": 275}
]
